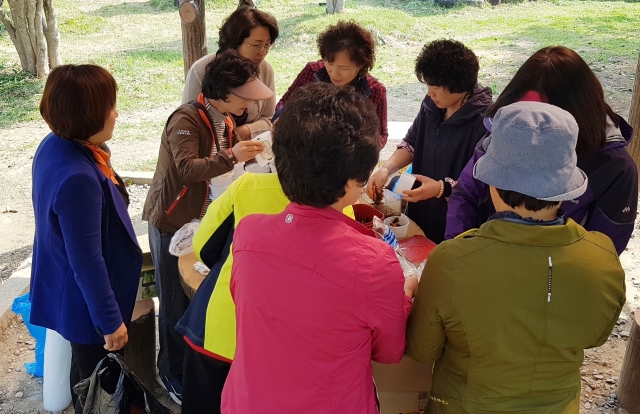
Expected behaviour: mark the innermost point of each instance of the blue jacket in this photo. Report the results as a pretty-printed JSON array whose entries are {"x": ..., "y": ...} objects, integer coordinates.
[{"x": 86, "y": 260}]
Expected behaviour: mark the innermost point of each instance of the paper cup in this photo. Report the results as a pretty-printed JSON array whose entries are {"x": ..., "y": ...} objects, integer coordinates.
[
  {"x": 405, "y": 182},
  {"x": 401, "y": 229}
]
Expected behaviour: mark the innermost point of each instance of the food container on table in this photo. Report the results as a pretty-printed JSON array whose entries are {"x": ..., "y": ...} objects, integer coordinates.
[
  {"x": 364, "y": 214},
  {"x": 391, "y": 204},
  {"x": 400, "y": 230}
]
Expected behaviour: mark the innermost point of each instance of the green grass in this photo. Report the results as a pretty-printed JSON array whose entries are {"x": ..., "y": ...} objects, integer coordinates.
[
  {"x": 146, "y": 78},
  {"x": 82, "y": 25},
  {"x": 140, "y": 43},
  {"x": 20, "y": 94}
]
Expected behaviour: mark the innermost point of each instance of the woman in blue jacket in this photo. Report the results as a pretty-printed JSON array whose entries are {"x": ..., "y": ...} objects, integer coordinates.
[{"x": 86, "y": 260}]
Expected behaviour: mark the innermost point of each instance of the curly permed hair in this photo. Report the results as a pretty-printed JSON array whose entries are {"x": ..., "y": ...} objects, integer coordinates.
[
  {"x": 353, "y": 38},
  {"x": 326, "y": 136},
  {"x": 448, "y": 63}
]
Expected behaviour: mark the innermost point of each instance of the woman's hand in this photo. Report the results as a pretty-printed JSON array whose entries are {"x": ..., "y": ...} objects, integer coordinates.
[
  {"x": 246, "y": 150},
  {"x": 429, "y": 188},
  {"x": 116, "y": 340},
  {"x": 411, "y": 285},
  {"x": 376, "y": 182}
]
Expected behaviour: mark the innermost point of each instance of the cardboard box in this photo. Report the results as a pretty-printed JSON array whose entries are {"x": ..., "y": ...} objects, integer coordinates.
[{"x": 403, "y": 388}]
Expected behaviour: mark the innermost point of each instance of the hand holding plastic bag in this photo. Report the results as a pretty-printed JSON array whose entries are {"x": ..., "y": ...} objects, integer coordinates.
[{"x": 182, "y": 241}]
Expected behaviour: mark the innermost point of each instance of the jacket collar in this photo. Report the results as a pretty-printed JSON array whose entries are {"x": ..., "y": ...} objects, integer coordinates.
[
  {"x": 478, "y": 101},
  {"x": 522, "y": 234},
  {"x": 516, "y": 218},
  {"x": 360, "y": 83},
  {"x": 326, "y": 213}
]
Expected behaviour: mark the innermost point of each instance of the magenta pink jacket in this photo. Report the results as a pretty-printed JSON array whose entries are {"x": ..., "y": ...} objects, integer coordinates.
[{"x": 317, "y": 298}]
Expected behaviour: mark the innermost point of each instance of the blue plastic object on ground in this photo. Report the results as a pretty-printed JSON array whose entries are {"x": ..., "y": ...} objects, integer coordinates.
[{"x": 22, "y": 306}]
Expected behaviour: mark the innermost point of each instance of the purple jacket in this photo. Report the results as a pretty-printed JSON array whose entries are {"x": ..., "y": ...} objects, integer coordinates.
[
  {"x": 441, "y": 149},
  {"x": 609, "y": 205}
]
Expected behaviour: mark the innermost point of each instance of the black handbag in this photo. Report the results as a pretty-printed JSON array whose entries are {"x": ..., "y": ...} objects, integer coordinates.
[{"x": 114, "y": 389}]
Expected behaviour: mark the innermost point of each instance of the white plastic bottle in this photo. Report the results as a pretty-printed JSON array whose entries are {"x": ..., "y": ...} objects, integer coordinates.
[{"x": 56, "y": 392}]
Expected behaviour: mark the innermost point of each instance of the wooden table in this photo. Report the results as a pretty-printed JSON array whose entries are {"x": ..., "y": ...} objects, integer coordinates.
[{"x": 190, "y": 278}]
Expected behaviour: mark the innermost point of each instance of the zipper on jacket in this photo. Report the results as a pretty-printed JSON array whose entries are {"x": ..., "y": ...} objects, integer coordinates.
[
  {"x": 175, "y": 202},
  {"x": 206, "y": 202},
  {"x": 549, "y": 282}
]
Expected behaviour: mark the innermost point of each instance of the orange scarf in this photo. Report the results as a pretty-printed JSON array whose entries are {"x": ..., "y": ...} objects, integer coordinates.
[{"x": 102, "y": 160}]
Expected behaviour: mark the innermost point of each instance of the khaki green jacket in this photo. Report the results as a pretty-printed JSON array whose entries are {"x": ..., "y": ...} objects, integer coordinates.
[{"x": 483, "y": 313}]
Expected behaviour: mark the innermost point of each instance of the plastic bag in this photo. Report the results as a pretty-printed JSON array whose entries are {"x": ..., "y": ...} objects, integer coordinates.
[
  {"x": 385, "y": 234},
  {"x": 114, "y": 389},
  {"x": 22, "y": 306},
  {"x": 182, "y": 241}
]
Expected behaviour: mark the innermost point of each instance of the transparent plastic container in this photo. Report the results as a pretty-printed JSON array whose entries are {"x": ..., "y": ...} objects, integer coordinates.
[{"x": 391, "y": 203}]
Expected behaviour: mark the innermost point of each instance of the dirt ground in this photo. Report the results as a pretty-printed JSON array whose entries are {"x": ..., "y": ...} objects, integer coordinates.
[{"x": 19, "y": 393}]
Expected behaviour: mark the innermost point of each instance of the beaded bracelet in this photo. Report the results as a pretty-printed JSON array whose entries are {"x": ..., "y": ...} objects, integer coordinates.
[{"x": 441, "y": 189}]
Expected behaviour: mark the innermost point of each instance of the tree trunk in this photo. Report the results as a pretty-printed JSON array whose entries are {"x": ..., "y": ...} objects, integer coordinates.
[
  {"x": 14, "y": 36},
  {"x": 194, "y": 36},
  {"x": 634, "y": 117},
  {"x": 18, "y": 14},
  {"x": 52, "y": 34},
  {"x": 34, "y": 32},
  {"x": 629, "y": 385},
  {"x": 335, "y": 6},
  {"x": 42, "y": 57}
]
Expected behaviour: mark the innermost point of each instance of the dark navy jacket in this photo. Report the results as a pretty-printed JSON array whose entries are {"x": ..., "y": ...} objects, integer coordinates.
[
  {"x": 86, "y": 260},
  {"x": 441, "y": 149},
  {"x": 609, "y": 205}
]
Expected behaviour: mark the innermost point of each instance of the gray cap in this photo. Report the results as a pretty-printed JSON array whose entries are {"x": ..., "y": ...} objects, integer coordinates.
[{"x": 532, "y": 151}]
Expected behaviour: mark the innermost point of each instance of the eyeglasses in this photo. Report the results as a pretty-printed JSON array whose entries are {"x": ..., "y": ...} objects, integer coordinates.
[{"x": 260, "y": 48}]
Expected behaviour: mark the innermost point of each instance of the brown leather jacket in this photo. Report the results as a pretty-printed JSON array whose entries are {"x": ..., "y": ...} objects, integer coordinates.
[{"x": 180, "y": 184}]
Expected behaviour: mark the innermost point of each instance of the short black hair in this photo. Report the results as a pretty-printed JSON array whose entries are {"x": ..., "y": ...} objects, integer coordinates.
[
  {"x": 351, "y": 37},
  {"x": 228, "y": 70},
  {"x": 448, "y": 63},
  {"x": 515, "y": 199},
  {"x": 238, "y": 25},
  {"x": 326, "y": 135}
]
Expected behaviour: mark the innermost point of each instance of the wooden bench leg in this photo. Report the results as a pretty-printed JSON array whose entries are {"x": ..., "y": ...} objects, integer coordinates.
[{"x": 140, "y": 353}]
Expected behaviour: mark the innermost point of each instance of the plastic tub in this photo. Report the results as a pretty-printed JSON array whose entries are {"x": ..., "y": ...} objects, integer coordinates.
[
  {"x": 391, "y": 205},
  {"x": 401, "y": 229}
]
